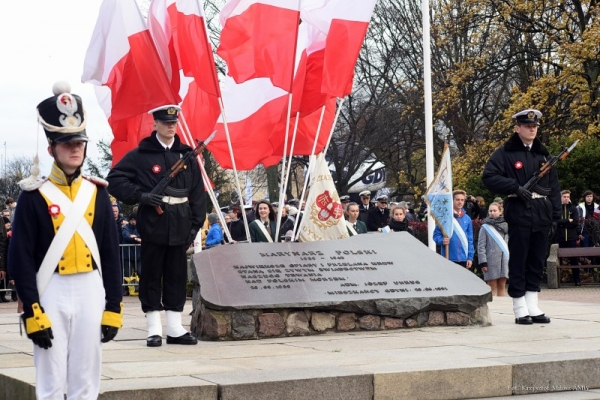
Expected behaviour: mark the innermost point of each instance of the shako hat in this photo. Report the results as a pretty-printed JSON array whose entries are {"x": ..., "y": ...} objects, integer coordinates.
[
  {"x": 168, "y": 113},
  {"x": 62, "y": 116},
  {"x": 529, "y": 116}
]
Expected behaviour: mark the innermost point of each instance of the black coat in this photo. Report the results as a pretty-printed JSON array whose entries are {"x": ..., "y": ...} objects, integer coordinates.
[
  {"x": 363, "y": 212},
  {"x": 140, "y": 170},
  {"x": 33, "y": 232},
  {"x": 511, "y": 166},
  {"x": 566, "y": 230},
  {"x": 377, "y": 219}
]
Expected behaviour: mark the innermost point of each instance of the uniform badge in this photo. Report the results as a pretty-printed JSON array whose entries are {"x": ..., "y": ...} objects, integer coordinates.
[
  {"x": 518, "y": 165},
  {"x": 156, "y": 168},
  {"x": 54, "y": 210}
]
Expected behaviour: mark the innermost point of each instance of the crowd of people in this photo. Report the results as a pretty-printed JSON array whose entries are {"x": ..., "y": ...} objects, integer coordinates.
[{"x": 67, "y": 327}]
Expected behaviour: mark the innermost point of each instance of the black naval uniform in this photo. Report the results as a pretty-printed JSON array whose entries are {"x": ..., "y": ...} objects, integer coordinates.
[
  {"x": 510, "y": 167},
  {"x": 166, "y": 237},
  {"x": 377, "y": 218}
]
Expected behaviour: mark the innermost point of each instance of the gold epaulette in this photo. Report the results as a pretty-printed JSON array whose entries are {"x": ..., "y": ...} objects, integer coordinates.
[{"x": 95, "y": 180}]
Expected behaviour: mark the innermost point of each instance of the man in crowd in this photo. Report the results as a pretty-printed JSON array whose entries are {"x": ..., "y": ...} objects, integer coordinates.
[
  {"x": 460, "y": 249},
  {"x": 379, "y": 216},
  {"x": 364, "y": 206},
  {"x": 11, "y": 206},
  {"x": 566, "y": 230},
  {"x": 528, "y": 212},
  {"x": 69, "y": 306},
  {"x": 167, "y": 222}
]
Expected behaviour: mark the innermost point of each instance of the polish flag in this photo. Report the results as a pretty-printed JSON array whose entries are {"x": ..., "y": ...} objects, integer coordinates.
[
  {"x": 122, "y": 56},
  {"x": 194, "y": 49},
  {"x": 306, "y": 132},
  {"x": 345, "y": 28},
  {"x": 162, "y": 25},
  {"x": 175, "y": 26},
  {"x": 253, "y": 111},
  {"x": 307, "y": 96},
  {"x": 127, "y": 132},
  {"x": 258, "y": 39}
]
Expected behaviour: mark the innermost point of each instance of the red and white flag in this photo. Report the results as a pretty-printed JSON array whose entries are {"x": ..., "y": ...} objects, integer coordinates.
[
  {"x": 178, "y": 30},
  {"x": 193, "y": 47},
  {"x": 253, "y": 111},
  {"x": 345, "y": 28},
  {"x": 122, "y": 56},
  {"x": 258, "y": 39},
  {"x": 162, "y": 26}
]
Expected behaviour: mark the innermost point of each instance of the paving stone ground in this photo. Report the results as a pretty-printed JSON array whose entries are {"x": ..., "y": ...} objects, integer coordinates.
[{"x": 422, "y": 363}]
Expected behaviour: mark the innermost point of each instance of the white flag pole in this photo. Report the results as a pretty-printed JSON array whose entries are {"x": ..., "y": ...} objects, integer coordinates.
[
  {"x": 187, "y": 137},
  {"x": 428, "y": 111},
  {"x": 283, "y": 169},
  {"x": 337, "y": 115},
  {"x": 308, "y": 171},
  {"x": 235, "y": 174}
]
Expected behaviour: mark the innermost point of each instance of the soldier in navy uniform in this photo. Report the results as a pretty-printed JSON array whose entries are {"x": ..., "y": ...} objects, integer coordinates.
[
  {"x": 69, "y": 279},
  {"x": 364, "y": 206},
  {"x": 529, "y": 213},
  {"x": 166, "y": 235},
  {"x": 378, "y": 216}
]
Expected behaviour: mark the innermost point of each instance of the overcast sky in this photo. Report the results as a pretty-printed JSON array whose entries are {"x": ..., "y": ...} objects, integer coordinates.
[{"x": 43, "y": 41}]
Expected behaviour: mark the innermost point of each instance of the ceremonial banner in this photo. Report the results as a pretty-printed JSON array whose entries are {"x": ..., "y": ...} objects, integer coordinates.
[
  {"x": 439, "y": 195},
  {"x": 323, "y": 217}
]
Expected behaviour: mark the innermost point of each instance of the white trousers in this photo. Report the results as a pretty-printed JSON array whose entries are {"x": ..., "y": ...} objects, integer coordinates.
[{"x": 74, "y": 304}]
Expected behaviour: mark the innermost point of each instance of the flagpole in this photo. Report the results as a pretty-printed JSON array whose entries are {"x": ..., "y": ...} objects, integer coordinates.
[
  {"x": 306, "y": 178},
  {"x": 287, "y": 131},
  {"x": 337, "y": 115},
  {"x": 190, "y": 141},
  {"x": 235, "y": 174},
  {"x": 283, "y": 169},
  {"x": 428, "y": 111}
]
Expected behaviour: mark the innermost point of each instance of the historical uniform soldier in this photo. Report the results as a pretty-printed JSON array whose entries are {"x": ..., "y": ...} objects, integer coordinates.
[
  {"x": 69, "y": 279},
  {"x": 529, "y": 213},
  {"x": 379, "y": 216},
  {"x": 166, "y": 232}
]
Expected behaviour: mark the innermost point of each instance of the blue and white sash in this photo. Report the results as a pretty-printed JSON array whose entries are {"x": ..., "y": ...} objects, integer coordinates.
[
  {"x": 460, "y": 233},
  {"x": 494, "y": 234}
]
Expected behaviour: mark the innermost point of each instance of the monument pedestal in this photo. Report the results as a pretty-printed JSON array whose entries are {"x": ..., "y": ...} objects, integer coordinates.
[{"x": 367, "y": 282}]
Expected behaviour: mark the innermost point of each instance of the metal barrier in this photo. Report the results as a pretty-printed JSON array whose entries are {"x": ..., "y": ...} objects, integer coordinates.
[
  {"x": 131, "y": 263},
  {"x": 6, "y": 288}
]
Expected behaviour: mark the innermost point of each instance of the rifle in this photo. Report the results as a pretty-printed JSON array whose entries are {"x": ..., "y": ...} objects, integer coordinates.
[
  {"x": 544, "y": 169},
  {"x": 177, "y": 167}
]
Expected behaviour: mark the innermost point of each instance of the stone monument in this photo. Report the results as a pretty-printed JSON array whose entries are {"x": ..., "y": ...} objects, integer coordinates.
[{"x": 366, "y": 282}]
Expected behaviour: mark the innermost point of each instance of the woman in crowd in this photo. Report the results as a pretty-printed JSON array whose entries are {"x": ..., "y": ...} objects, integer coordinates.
[
  {"x": 492, "y": 250},
  {"x": 215, "y": 233},
  {"x": 262, "y": 229},
  {"x": 398, "y": 220}
]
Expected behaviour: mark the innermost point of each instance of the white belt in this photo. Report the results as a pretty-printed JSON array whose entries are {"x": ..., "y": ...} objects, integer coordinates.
[
  {"x": 174, "y": 200},
  {"x": 534, "y": 195}
]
